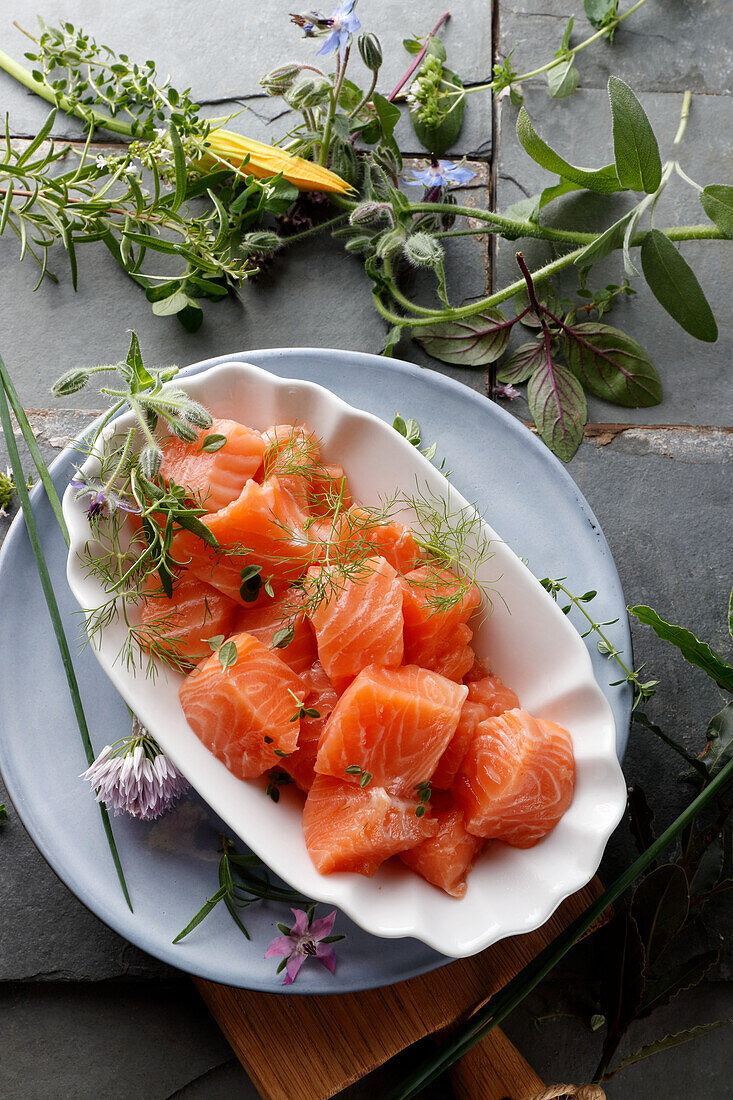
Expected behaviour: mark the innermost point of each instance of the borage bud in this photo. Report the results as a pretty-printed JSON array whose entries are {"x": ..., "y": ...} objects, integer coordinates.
[
  {"x": 197, "y": 415},
  {"x": 359, "y": 244},
  {"x": 310, "y": 91},
  {"x": 74, "y": 379},
  {"x": 422, "y": 250},
  {"x": 371, "y": 51},
  {"x": 262, "y": 243},
  {"x": 389, "y": 243},
  {"x": 149, "y": 461},
  {"x": 281, "y": 79},
  {"x": 370, "y": 211},
  {"x": 183, "y": 430}
]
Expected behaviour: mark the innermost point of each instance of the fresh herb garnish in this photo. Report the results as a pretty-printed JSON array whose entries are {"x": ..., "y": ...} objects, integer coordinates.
[{"x": 356, "y": 769}]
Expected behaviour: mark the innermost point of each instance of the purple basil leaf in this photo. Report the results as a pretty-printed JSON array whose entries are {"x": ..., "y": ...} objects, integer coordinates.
[
  {"x": 674, "y": 980},
  {"x": 522, "y": 364},
  {"x": 659, "y": 907},
  {"x": 470, "y": 342},
  {"x": 612, "y": 365},
  {"x": 557, "y": 403}
]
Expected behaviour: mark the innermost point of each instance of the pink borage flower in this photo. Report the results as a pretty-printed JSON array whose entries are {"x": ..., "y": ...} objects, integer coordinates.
[{"x": 306, "y": 939}]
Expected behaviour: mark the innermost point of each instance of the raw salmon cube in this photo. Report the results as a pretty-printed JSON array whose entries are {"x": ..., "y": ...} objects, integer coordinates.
[
  {"x": 487, "y": 698},
  {"x": 292, "y": 454},
  {"x": 264, "y": 619},
  {"x": 392, "y": 540},
  {"x": 358, "y": 622},
  {"x": 320, "y": 696},
  {"x": 180, "y": 625},
  {"x": 243, "y": 713},
  {"x": 517, "y": 778},
  {"x": 215, "y": 478},
  {"x": 436, "y": 613},
  {"x": 446, "y": 858},
  {"x": 350, "y": 828},
  {"x": 393, "y": 724}
]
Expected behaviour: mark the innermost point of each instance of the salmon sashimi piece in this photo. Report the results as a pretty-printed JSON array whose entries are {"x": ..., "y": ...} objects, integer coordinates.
[
  {"x": 436, "y": 607},
  {"x": 264, "y": 619},
  {"x": 477, "y": 671},
  {"x": 392, "y": 540},
  {"x": 487, "y": 698},
  {"x": 181, "y": 625},
  {"x": 393, "y": 723},
  {"x": 244, "y": 713},
  {"x": 517, "y": 778},
  {"x": 329, "y": 489},
  {"x": 446, "y": 858},
  {"x": 358, "y": 621},
  {"x": 320, "y": 696},
  {"x": 292, "y": 454},
  {"x": 215, "y": 478},
  {"x": 264, "y": 524},
  {"x": 350, "y": 828}
]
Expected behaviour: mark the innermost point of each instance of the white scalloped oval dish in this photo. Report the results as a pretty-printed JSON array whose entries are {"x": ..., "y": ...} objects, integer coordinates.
[{"x": 526, "y": 640}]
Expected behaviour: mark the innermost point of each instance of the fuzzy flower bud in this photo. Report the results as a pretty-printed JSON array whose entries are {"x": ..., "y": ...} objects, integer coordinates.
[
  {"x": 390, "y": 242},
  {"x": 196, "y": 414},
  {"x": 149, "y": 461},
  {"x": 73, "y": 380},
  {"x": 422, "y": 250},
  {"x": 370, "y": 211},
  {"x": 310, "y": 91},
  {"x": 280, "y": 80},
  {"x": 371, "y": 51},
  {"x": 262, "y": 243}
]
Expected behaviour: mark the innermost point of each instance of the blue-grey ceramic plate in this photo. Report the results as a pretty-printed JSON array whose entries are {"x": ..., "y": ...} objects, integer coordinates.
[{"x": 171, "y": 864}]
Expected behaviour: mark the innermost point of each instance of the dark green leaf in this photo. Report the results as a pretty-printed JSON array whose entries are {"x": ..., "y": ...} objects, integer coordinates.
[
  {"x": 556, "y": 191},
  {"x": 439, "y": 137},
  {"x": 173, "y": 303},
  {"x": 228, "y": 655},
  {"x": 659, "y": 906},
  {"x": 611, "y": 239},
  {"x": 692, "y": 649},
  {"x": 717, "y": 202},
  {"x": 202, "y": 913},
  {"x": 469, "y": 342},
  {"x": 670, "y": 1041},
  {"x": 641, "y": 819},
  {"x": 436, "y": 48},
  {"x": 612, "y": 365},
  {"x": 191, "y": 316},
  {"x": 40, "y": 137},
  {"x": 557, "y": 403},
  {"x": 213, "y": 443},
  {"x": 674, "y": 284},
  {"x": 709, "y": 865},
  {"x": 674, "y": 980},
  {"x": 522, "y": 364},
  {"x": 179, "y": 164},
  {"x": 196, "y": 527},
  {"x": 635, "y": 148},
  {"x": 624, "y": 978},
  {"x": 603, "y": 179},
  {"x": 412, "y": 45},
  {"x": 599, "y": 11},
  {"x": 563, "y": 79},
  {"x": 163, "y": 290},
  {"x": 719, "y": 748}
]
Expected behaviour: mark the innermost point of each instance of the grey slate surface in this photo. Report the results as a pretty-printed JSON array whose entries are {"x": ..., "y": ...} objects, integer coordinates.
[{"x": 83, "y": 1013}]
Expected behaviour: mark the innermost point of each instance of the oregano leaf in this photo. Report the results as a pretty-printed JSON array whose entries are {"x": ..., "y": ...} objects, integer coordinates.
[
  {"x": 635, "y": 147},
  {"x": 469, "y": 342},
  {"x": 603, "y": 180},
  {"x": 213, "y": 443},
  {"x": 228, "y": 655},
  {"x": 558, "y": 406},
  {"x": 717, "y": 202},
  {"x": 674, "y": 284},
  {"x": 612, "y": 365}
]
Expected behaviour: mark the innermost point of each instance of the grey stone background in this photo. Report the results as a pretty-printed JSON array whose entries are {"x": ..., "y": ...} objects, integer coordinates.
[{"x": 83, "y": 1013}]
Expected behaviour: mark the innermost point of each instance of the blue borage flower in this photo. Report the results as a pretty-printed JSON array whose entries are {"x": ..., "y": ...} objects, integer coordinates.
[
  {"x": 103, "y": 499},
  {"x": 338, "y": 27},
  {"x": 440, "y": 173}
]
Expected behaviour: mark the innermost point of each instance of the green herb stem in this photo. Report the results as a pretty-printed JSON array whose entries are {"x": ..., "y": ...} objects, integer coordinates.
[
  {"x": 333, "y": 104},
  {"x": 55, "y": 615},
  {"x": 506, "y": 1000}
]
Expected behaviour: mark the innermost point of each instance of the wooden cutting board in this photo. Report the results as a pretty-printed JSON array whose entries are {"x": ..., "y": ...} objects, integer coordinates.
[{"x": 310, "y": 1048}]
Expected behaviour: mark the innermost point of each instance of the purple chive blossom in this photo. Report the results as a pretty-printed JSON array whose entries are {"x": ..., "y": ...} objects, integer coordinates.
[
  {"x": 505, "y": 392},
  {"x": 343, "y": 23},
  {"x": 103, "y": 499},
  {"x": 440, "y": 173},
  {"x": 135, "y": 777},
  {"x": 305, "y": 939}
]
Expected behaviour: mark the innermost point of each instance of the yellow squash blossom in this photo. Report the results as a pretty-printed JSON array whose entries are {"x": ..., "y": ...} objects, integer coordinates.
[{"x": 269, "y": 160}]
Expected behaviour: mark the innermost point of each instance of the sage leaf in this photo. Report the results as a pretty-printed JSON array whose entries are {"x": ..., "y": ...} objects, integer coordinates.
[
  {"x": 674, "y": 284},
  {"x": 692, "y": 649},
  {"x": 611, "y": 239},
  {"x": 612, "y": 365},
  {"x": 717, "y": 202},
  {"x": 549, "y": 194},
  {"x": 558, "y": 406},
  {"x": 659, "y": 906},
  {"x": 469, "y": 342},
  {"x": 438, "y": 137},
  {"x": 603, "y": 179},
  {"x": 670, "y": 1041},
  {"x": 228, "y": 655},
  {"x": 635, "y": 148},
  {"x": 675, "y": 980},
  {"x": 563, "y": 79},
  {"x": 522, "y": 364}
]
